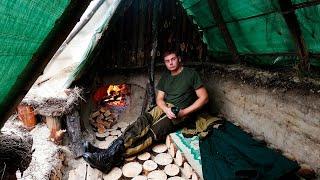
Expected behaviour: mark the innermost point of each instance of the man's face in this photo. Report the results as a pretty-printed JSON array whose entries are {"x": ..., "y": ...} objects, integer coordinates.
[{"x": 172, "y": 62}]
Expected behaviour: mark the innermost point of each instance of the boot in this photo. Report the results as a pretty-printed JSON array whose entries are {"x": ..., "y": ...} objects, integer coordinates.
[
  {"x": 88, "y": 147},
  {"x": 106, "y": 159}
]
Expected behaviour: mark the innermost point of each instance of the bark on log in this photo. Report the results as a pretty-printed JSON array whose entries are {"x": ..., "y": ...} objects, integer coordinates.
[
  {"x": 15, "y": 153},
  {"x": 74, "y": 131}
]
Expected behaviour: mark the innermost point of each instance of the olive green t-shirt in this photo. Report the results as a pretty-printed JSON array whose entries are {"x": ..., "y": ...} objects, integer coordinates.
[{"x": 180, "y": 89}]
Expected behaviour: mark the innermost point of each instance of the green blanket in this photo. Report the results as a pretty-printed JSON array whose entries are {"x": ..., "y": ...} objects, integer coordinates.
[{"x": 230, "y": 153}]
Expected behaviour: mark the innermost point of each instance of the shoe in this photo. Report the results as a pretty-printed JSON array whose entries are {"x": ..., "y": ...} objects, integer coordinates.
[
  {"x": 88, "y": 147},
  {"x": 106, "y": 159}
]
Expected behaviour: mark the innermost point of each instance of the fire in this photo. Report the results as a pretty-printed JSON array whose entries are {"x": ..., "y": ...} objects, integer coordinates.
[{"x": 116, "y": 95}]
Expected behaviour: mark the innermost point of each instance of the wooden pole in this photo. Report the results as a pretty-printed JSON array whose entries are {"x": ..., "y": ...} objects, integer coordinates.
[
  {"x": 223, "y": 28},
  {"x": 156, "y": 7},
  {"x": 295, "y": 30}
]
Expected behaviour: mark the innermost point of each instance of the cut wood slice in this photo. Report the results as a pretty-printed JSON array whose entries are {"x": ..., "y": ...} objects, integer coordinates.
[
  {"x": 115, "y": 174},
  {"x": 130, "y": 158},
  {"x": 144, "y": 156},
  {"x": 115, "y": 133},
  {"x": 172, "y": 170},
  {"x": 172, "y": 150},
  {"x": 131, "y": 169},
  {"x": 100, "y": 136},
  {"x": 140, "y": 178},
  {"x": 163, "y": 159},
  {"x": 179, "y": 160},
  {"x": 187, "y": 170},
  {"x": 149, "y": 165},
  {"x": 194, "y": 176},
  {"x": 168, "y": 141},
  {"x": 122, "y": 124},
  {"x": 160, "y": 148},
  {"x": 176, "y": 178},
  {"x": 157, "y": 175},
  {"x": 95, "y": 114}
]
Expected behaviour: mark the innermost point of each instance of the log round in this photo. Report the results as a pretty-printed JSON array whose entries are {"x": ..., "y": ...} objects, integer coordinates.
[
  {"x": 140, "y": 178},
  {"x": 157, "y": 175},
  {"x": 131, "y": 158},
  {"x": 160, "y": 148},
  {"x": 179, "y": 160},
  {"x": 172, "y": 170},
  {"x": 168, "y": 141},
  {"x": 187, "y": 170},
  {"x": 194, "y": 176},
  {"x": 131, "y": 169},
  {"x": 144, "y": 156},
  {"x": 115, "y": 133},
  {"x": 163, "y": 159},
  {"x": 149, "y": 165},
  {"x": 176, "y": 178},
  {"x": 172, "y": 150},
  {"x": 115, "y": 173}
]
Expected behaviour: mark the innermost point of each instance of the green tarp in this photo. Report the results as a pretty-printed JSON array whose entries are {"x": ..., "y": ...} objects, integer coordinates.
[
  {"x": 256, "y": 27},
  {"x": 24, "y": 25},
  {"x": 230, "y": 153}
]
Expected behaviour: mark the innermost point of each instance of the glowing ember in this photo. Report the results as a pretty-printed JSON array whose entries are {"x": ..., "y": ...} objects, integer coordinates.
[{"x": 117, "y": 95}]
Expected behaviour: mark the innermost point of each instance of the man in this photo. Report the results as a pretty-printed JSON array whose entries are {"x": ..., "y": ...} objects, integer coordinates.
[{"x": 180, "y": 90}]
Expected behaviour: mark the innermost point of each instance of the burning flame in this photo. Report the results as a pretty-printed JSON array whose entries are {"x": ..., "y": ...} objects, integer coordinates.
[{"x": 117, "y": 95}]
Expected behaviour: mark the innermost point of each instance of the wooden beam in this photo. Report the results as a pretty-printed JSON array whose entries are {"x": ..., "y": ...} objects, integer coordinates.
[
  {"x": 35, "y": 67},
  {"x": 215, "y": 10},
  {"x": 295, "y": 30}
]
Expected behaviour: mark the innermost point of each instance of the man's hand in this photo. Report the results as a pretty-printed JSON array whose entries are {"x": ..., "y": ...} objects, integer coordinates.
[
  {"x": 169, "y": 113},
  {"x": 182, "y": 113}
]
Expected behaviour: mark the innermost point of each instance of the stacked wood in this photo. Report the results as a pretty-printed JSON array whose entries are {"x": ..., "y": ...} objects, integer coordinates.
[
  {"x": 132, "y": 169},
  {"x": 157, "y": 175},
  {"x": 160, "y": 148},
  {"x": 163, "y": 159},
  {"x": 149, "y": 166},
  {"x": 102, "y": 120},
  {"x": 187, "y": 170},
  {"x": 172, "y": 170},
  {"x": 144, "y": 156},
  {"x": 179, "y": 160}
]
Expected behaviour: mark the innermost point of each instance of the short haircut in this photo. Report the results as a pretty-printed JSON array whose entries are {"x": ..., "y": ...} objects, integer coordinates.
[{"x": 168, "y": 52}]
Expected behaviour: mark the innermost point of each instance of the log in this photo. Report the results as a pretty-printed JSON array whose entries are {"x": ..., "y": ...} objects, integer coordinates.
[
  {"x": 54, "y": 126},
  {"x": 172, "y": 170},
  {"x": 74, "y": 131},
  {"x": 129, "y": 159},
  {"x": 115, "y": 173},
  {"x": 131, "y": 169},
  {"x": 140, "y": 178},
  {"x": 172, "y": 150},
  {"x": 186, "y": 170},
  {"x": 194, "y": 176},
  {"x": 149, "y": 166},
  {"x": 144, "y": 156},
  {"x": 179, "y": 160},
  {"x": 100, "y": 136},
  {"x": 168, "y": 141},
  {"x": 163, "y": 159},
  {"x": 157, "y": 175},
  {"x": 160, "y": 148},
  {"x": 176, "y": 178}
]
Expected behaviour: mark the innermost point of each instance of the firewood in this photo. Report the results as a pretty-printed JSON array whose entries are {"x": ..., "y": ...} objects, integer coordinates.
[
  {"x": 160, "y": 148},
  {"x": 103, "y": 110},
  {"x": 129, "y": 159},
  {"x": 140, "y": 178},
  {"x": 144, "y": 156},
  {"x": 172, "y": 170},
  {"x": 157, "y": 175},
  {"x": 95, "y": 114},
  {"x": 115, "y": 173},
  {"x": 186, "y": 170},
  {"x": 168, "y": 141},
  {"x": 163, "y": 159},
  {"x": 172, "y": 150},
  {"x": 131, "y": 169},
  {"x": 115, "y": 133},
  {"x": 194, "y": 176},
  {"x": 100, "y": 136},
  {"x": 149, "y": 166},
  {"x": 107, "y": 113},
  {"x": 179, "y": 160},
  {"x": 101, "y": 129},
  {"x": 176, "y": 178},
  {"x": 123, "y": 124}
]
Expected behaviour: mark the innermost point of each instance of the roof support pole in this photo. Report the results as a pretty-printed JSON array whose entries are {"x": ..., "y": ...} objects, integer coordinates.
[
  {"x": 295, "y": 30},
  {"x": 223, "y": 28}
]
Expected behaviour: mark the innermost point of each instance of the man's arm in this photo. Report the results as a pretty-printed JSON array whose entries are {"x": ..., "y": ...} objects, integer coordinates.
[
  {"x": 200, "y": 102},
  {"x": 162, "y": 104}
]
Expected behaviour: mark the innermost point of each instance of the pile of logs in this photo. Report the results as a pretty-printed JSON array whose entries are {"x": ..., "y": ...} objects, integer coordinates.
[
  {"x": 165, "y": 161},
  {"x": 102, "y": 119}
]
